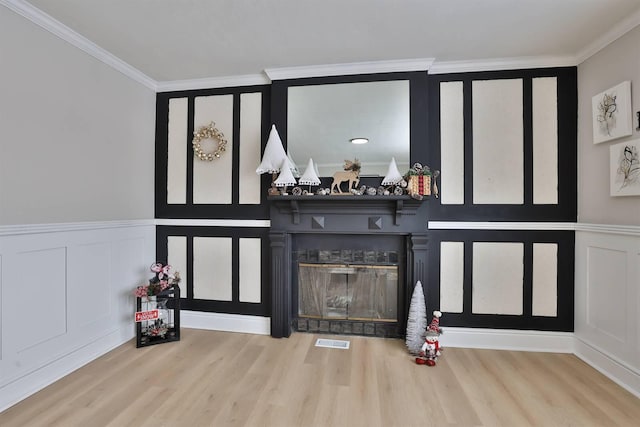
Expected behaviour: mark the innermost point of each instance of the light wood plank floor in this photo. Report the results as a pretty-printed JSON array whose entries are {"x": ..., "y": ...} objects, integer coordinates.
[{"x": 226, "y": 379}]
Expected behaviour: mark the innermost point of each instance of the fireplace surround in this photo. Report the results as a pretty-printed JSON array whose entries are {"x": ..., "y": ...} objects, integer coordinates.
[{"x": 357, "y": 227}]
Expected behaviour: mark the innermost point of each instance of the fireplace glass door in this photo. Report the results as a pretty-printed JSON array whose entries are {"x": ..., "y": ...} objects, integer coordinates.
[{"x": 348, "y": 292}]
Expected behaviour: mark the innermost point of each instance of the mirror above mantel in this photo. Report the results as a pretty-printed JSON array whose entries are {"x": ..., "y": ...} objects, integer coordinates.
[
  {"x": 323, "y": 119},
  {"x": 316, "y": 117}
]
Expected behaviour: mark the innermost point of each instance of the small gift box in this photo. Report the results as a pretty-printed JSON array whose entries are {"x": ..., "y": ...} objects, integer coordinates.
[{"x": 420, "y": 185}]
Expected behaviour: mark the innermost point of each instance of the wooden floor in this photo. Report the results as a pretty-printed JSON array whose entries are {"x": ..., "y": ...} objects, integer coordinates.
[{"x": 228, "y": 379}]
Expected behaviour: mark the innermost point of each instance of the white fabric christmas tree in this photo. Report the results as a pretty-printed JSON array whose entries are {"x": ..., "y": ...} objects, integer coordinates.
[{"x": 417, "y": 321}]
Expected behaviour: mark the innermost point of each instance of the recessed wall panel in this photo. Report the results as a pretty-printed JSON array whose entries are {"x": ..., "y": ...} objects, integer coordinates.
[
  {"x": 212, "y": 268},
  {"x": 545, "y": 140},
  {"x": 86, "y": 280},
  {"x": 607, "y": 294},
  {"x": 39, "y": 298},
  {"x": 177, "y": 148},
  {"x": 452, "y": 143},
  {"x": 250, "y": 140},
  {"x": 250, "y": 270},
  {"x": 212, "y": 180},
  {"x": 451, "y": 276},
  {"x": 498, "y": 159},
  {"x": 545, "y": 280},
  {"x": 498, "y": 276},
  {"x": 177, "y": 259}
]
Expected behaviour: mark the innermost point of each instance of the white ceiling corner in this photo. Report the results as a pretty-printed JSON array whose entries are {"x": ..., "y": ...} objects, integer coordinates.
[
  {"x": 65, "y": 33},
  {"x": 617, "y": 31},
  {"x": 256, "y": 43}
]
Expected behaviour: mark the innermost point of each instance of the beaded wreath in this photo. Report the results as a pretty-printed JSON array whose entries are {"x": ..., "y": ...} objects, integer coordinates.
[{"x": 208, "y": 132}]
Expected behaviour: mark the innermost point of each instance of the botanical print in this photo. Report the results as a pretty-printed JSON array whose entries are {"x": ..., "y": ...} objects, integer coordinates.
[
  {"x": 612, "y": 113},
  {"x": 607, "y": 109},
  {"x": 625, "y": 168}
]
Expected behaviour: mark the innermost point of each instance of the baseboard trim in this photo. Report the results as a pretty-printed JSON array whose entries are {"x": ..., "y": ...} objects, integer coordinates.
[
  {"x": 615, "y": 370},
  {"x": 25, "y": 386},
  {"x": 226, "y": 322},
  {"x": 501, "y": 339}
]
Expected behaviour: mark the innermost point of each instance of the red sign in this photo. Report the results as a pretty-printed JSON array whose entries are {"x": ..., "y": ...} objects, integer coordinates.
[{"x": 141, "y": 316}]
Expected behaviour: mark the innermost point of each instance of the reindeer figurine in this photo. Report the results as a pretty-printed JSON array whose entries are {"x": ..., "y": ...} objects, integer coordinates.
[{"x": 351, "y": 173}]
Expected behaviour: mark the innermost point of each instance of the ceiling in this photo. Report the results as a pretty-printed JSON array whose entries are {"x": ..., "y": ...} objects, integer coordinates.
[{"x": 170, "y": 40}]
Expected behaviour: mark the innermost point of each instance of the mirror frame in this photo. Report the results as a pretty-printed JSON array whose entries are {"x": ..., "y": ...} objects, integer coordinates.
[{"x": 418, "y": 105}]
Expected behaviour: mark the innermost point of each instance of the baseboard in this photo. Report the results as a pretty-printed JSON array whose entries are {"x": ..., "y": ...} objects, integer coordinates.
[
  {"x": 225, "y": 322},
  {"x": 501, "y": 339},
  {"x": 25, "y": 386},
  {"x": 618, "y": 372}
]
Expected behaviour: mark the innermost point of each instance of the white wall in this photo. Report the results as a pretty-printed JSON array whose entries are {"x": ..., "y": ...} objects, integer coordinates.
[
  {"x": 66, "y": 297},
  {"x": 76, "y": 206},
  {"x": 76, "y": 136},
  {"x": 614, "y": 64},
  {"x": 607, "y": 291}
]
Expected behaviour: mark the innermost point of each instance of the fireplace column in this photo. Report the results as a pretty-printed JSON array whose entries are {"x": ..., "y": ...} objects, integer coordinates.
[{"x": 280, "y": 284}]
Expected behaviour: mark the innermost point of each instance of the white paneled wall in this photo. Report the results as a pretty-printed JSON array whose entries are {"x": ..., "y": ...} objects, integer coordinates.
[
  {"x": 250, "y": 141},
  {"x": 545, "y": 280},
  {"x": 607, "y": 317},
  {"x": 250, "y": 269},
  {"x": 498, "y": 139},
  {"x": 66, "y": 297},
  {"x": 451, "y": 276},
  {"x": 212, "y": 180},
  {"x": 498, "y": 275},
  {"x": 452, "y": 143},
  {"x": 177, "y": 259},
  {"x": 177, "y": 152},
  {"x": 544, "y": 93},
  {"x": 212, "y": 268}
]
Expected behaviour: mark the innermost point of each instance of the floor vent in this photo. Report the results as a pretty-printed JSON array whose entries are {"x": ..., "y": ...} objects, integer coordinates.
[{"x": 341, "y": 344}]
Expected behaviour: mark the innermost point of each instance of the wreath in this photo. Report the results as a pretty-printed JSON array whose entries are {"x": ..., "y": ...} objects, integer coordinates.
[{"x": 208, "y": 132}]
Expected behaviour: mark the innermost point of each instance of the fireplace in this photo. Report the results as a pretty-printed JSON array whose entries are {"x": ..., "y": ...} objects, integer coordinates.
[
  {"x": 345, "y": 265},
  {"x": 348, "y": 284}
]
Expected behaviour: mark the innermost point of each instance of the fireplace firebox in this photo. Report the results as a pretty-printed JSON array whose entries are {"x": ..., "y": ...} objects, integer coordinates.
[{"x": 345, "y": 265}]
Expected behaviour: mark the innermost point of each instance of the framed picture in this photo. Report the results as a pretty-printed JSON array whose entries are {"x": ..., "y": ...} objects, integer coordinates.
[
  {"x": 611, "y": 112},
  {"x": 624, "y": 168}
]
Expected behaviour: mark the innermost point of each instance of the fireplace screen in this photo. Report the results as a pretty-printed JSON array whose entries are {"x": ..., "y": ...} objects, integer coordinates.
[{"x": 348, "y": 292}]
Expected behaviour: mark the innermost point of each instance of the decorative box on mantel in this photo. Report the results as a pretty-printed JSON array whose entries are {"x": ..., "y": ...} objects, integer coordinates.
[{"x": 343, "y": 224}]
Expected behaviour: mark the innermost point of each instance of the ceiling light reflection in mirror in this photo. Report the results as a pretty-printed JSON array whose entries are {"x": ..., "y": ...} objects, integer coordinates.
[{"x": 323, "y": 119}]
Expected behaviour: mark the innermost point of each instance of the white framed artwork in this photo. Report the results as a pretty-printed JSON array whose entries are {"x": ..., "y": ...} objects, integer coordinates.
[
  {"x": 611, "y": 112},
  {"x": 624, "y": 168}
]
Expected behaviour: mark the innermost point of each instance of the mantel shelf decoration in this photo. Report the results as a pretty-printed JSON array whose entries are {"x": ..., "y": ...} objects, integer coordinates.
[{"x": 208, "y": 132}]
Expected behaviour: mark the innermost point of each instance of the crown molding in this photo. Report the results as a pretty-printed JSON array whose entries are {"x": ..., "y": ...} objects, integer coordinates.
[
  {"x": 213, "y": 82},
  {"x": 500, "y": 64},
  {"x": 65, "y": 33},
  {"x": 420, "y": 64},
  {"x": 619, "y": 30}
]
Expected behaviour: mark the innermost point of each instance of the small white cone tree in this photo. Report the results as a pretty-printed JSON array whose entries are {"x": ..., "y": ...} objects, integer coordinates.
[{"x": 417, "y": 321}]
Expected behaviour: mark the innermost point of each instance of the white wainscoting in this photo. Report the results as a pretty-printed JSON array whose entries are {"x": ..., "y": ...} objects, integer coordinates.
[
  {"x": 607, "y": 301},
  {"x": 66, "y": 297}
]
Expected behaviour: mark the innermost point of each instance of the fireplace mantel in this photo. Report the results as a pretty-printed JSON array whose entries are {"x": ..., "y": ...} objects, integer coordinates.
[
  {"x": 340, "y": 215},
  {"x": 295, "y": 213}
]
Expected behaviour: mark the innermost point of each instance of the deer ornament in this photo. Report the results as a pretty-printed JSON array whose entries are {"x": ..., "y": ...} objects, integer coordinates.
[{"x": 351, "y": 174}]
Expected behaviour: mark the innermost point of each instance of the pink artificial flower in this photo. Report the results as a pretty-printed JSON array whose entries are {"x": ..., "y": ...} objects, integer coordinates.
[
  {"x": 141, "y": 291},
  {"x": 160, "y": 270}
]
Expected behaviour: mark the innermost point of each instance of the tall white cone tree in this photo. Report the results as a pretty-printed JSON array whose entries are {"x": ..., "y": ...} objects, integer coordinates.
[{"x": 417, "y": 321}]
